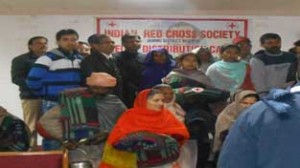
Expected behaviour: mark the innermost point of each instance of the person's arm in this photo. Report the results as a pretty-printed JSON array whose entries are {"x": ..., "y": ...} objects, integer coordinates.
[
  {"x": 259, "y": 76},
  {"x": 18, "y": 72},
  {"x": 37, "y": 73},
  {"x": 86, "y": 70}
]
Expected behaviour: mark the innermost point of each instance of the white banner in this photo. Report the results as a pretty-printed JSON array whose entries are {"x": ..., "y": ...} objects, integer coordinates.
[{"x": 176, "y": 35}]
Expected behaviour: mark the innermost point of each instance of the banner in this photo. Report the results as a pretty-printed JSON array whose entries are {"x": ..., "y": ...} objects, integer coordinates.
[{"x": 176, "y": 35}]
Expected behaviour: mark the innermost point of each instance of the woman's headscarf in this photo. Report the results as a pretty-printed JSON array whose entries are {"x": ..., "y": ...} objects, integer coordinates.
[
  {"x": 228, "y": 116},
  {"x": 153, "y": 72},
  {"x": 227, "y": 75},
  {"x": 140, "y": 118}
]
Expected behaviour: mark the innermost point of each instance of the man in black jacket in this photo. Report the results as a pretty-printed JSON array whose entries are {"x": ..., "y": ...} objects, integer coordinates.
[
  {"x": 101, "y": 60},
  {"x": 21, "y": 65},
  {"x": 131, "y": 65}
]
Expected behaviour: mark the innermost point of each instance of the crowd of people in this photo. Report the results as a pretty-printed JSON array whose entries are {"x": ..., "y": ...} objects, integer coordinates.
[{"x": 139, "y": 110}]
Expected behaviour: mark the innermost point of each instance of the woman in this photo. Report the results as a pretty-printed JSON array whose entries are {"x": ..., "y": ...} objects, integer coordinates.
[
  {"x": 195, "y": 93},
  {"x": 158, "y": 64},
  {"x": 14, "y": 134},
  {"x": 205, "y": 57},
  {"x": 146, "y": 126},
  {"x": 169, "y": 101},
  {"x": 227, "y": 117},
  {"x": 230, "y": 73}
]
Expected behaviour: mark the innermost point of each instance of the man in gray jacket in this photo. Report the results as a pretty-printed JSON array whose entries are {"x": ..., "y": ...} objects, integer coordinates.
[{"x": 272, "y": 68}]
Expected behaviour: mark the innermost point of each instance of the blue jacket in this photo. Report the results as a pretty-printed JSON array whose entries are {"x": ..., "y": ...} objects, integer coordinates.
[
  {"x": 53, "y": 73},
  {"x": 267, "y": 135}
]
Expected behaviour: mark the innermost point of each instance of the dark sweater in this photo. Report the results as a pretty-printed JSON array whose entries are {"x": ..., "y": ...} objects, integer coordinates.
[{"x": 20, "y": 68}]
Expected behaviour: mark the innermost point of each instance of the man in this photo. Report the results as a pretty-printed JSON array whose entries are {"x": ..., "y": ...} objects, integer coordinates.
[
  {"x": 272, "y": 67},
  {"x": 84, "y": 48},
  {"x": 130, "y": 63},
  {"x": 245, "y": 44},
  {"x": 93, "y": 116},
  {"x": 266, "y": 135},
  {"x": 101, "y": 60},
  {"x": 21, "y": 65},
  {"x": 56, "y": 71}
]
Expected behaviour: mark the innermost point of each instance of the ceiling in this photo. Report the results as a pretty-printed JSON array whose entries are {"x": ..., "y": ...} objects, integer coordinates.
[{"x": 151, "y": 7}]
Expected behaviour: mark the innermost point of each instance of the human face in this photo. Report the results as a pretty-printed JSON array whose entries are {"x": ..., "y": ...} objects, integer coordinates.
[
  {"x": 155, "y": 102},
  {"x": 68, "y": 42},
  {"x": 132, "y": 44},
  {"x": 272, "y": 46},
  {"x": 84, "y": 49},
  {"x": 39, "y": 46},
  {"x": 204, "y": 56},
  {"x": 231, "y": 55},
  {"x": 189, "y": 62},
  {"x": 159, "y": 58},
  {"x": 106, "y": 46},
  {"x": 248, "y": 101},
  {"x": 168, "y": 94},
  {"x": 245, "y": 48}
]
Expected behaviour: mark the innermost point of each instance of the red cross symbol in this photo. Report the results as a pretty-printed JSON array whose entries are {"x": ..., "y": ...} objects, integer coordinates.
[
  {"x": 232, "y": 25},
  {"x": 112, "y": 24}
]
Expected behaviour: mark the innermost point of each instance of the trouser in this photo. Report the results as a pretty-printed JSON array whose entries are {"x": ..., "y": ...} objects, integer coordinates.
[
  {"x": 50, "y": 144},
  {"x": 32, "y": 111}
]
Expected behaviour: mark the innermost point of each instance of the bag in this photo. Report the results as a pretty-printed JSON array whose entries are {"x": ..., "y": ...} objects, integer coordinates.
[
  {"x": 50, "y": 125},
  {"x": 78, "y": 114},
  {"x": 151, "y": 149}
]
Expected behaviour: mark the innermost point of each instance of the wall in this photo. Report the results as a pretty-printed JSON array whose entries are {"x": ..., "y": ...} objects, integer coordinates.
[{"x": 16, "y": 30}]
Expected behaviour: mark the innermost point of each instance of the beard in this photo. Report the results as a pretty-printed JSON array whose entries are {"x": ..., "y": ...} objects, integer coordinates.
[{"x": 274, "y": 50}]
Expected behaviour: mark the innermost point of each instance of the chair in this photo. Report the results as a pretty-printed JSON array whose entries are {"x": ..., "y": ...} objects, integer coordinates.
[{"x": 40, "y": 159}]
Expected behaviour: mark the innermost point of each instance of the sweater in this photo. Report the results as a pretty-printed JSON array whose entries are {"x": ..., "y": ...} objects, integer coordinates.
[{"x": 54, "y": 72}]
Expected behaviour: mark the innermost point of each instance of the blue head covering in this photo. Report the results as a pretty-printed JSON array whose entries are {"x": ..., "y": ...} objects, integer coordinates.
[{"x": 154, "y": 72}]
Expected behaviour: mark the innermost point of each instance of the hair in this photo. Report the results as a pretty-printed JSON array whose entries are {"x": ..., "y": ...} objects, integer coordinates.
[
  {"x": 228, "y": 46},
  {"x": 161, "y": 86},
  {"x": 251, "y": 95},
  {"x": 153, "y": 92},
  {"x": 267, "y": 36},
  {"x": 64, "y": 32},
  {"x": 184, "y": 55},
  {"x": 297, "y": 43},
  {"x": 127, "y": 36},
  {"x": 83, "y": 43},
  {"x": 97, "y": 38},
  {"x": 32, "y": 39}
]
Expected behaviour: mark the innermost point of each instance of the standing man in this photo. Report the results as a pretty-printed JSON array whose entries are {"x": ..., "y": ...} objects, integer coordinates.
[
  {"x": 245, "y": 45},
  {"x": 21, "y": 65},
  {"x": 272, "y": 67},
  {"x": 101, "y": 60},
  {"x": 130, "y": 63},
  {"x": 54, "y": 72}
]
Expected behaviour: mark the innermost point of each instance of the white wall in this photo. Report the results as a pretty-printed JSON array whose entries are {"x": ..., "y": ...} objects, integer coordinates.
[{"x": 16, "y": 30}]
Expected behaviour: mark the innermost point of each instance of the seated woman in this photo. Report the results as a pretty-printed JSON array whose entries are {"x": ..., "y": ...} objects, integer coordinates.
[
  {"x": 14, "y": 134},
  {"x": 144, "y": 136},
  {"x": 230, "y": 73},
  {"x": 242, "y": 100},
  {"x": 158, "y": 63}
]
